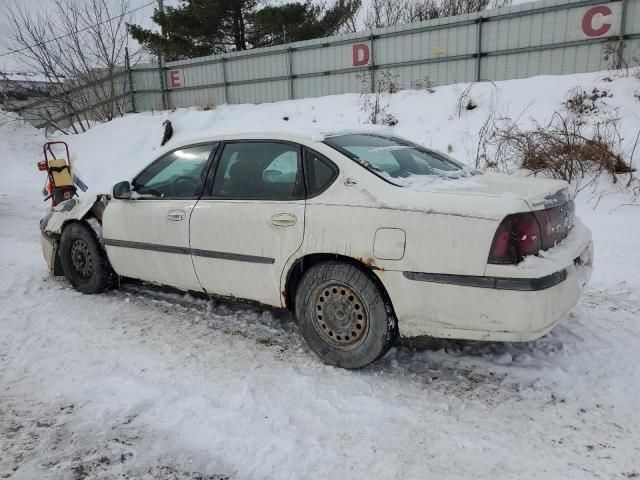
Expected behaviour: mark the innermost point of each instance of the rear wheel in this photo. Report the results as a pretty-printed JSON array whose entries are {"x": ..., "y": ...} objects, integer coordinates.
[
  {"x": 84, "y": 263},
  {"x": 343, "y": 315}
]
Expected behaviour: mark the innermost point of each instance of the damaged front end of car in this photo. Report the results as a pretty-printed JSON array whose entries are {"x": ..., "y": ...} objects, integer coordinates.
[{"x": 87, "y": 208}]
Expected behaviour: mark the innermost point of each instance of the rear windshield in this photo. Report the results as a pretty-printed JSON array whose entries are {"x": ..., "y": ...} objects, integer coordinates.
[{"x": 397, "y": 160}]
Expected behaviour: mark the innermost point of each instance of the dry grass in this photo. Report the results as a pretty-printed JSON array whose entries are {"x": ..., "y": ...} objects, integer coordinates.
[
  {"x": 582, "y": 103},
  {"x": 376, "y": 103},
  {"x": 423, "y": 84},
  {"x": 569, "y": 147},
  {"x": 465, "y": 100}
]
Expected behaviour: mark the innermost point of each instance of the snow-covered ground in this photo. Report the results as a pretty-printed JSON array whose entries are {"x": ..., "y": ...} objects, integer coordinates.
[{"x": 143, "y": 383}]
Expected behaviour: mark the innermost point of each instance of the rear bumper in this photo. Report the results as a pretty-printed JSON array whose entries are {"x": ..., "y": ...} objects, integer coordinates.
[
  {"x": 500, "y": 283},
  {"x": 494, "y": 308}
]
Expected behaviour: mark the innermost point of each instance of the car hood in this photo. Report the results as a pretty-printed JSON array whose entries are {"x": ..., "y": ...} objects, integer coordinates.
[
  {"x": 538, "y": 193},
  {"x": 73, "y": 209}
]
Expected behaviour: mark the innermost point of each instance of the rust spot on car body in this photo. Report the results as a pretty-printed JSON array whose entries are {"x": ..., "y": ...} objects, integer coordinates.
[
  {"x": 242, "y": 301},
  {"x": 370, "y": 262},
  {"x": 98, "y": 207}
]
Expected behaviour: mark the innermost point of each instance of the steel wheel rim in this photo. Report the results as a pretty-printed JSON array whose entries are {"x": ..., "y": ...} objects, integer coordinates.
[
  {"x": 339, "y": 315},
  {"x": 81, "y": 259}
]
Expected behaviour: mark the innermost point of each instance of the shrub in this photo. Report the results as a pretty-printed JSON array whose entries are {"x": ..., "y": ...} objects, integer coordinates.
[
  {"x": 582, "y": 103},
  {"x": 376, "y": 103},
  {"x": 423, "y": 84},
  {"x": 465, "y": 101},
  {"x": 565, "y": 148},
  {"x": 580, "y": 142}
]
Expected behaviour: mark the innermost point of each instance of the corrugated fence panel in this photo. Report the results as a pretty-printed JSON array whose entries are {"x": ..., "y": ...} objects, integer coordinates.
[
  {"x": 539, "y": 38},
  {"x": 200, "y": 75},
  {"x": 323, "y": 59},
  {"x": 145, "y": 102},
  {"x": 632, "y": 52},
  {"x": 272, "y": 91},
  {"x": 330, "y": 85},
  {"x": 209, "y": 96},
  {"x": 251, "y": 68},
  {"x": 145, "y": 78},
  {"x": 427, "y": 45},
  {"x": 632, "y": 17},
  {"x": 148, "y": 91},
  {"x": 439, "y": 73},
  {"x": 560, "y": 61}
]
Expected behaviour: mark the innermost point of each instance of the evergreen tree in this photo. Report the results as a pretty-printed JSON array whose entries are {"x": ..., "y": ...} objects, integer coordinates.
[
  {"x": 292, "y": 22},
  {"x": 197, "y": 28}
]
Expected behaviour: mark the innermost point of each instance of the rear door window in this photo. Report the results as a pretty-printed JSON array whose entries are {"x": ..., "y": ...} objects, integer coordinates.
[{"x": 259, "y": 170}]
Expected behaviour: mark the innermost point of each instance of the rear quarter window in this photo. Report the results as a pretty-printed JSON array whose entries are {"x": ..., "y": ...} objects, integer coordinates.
[
  {"x": 321, "y": 173},
  {"x": 398, "y": 161}
]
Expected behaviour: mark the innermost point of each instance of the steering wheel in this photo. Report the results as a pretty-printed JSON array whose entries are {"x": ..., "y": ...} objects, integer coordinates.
[
  {"x": 179, "y": 183},
  {"x": 148, "y": 191}
]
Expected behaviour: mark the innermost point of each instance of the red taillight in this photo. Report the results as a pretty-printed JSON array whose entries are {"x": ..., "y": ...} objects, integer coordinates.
[
  {"x": 523, "y": 234},
  {"x": 501, "y": 243},
  {"x": 555, "y": 224},
  {"x": 517, "y": 236},
  {"x": 546, "y": 220},
  {"x": 527, "y": 235}
]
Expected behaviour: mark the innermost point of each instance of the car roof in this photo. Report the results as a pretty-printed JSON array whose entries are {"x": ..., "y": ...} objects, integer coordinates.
[{"x": 294, "y": 134}]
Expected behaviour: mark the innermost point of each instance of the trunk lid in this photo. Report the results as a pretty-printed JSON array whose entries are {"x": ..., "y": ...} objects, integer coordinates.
[
  {"x": 538, "y": 193},
  {"x": 549, "y": 200}
]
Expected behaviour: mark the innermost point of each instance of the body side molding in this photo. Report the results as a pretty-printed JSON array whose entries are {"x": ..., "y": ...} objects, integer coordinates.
[
  {"x": 187, "y": 251},
  {"x": 499, "y": 283}
]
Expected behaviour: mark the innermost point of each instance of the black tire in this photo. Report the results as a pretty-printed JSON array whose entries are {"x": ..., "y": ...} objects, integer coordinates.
[
  {"x": 343, "y": 315},
  {"x": 83, "y": 260}
]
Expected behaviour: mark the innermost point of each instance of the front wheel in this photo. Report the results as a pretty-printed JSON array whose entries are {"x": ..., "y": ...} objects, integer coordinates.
[
  {"x": 84, "y": 263},
  {"x": 343, "y": 315}
]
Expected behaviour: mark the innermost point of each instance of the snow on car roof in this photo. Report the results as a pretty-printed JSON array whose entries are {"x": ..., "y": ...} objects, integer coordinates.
[{"x": 291, "y": 132}]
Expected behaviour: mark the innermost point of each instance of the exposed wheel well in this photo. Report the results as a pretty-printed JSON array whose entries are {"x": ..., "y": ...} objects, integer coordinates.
[
  {"x": 305, "y": 263},
  {"x": 57, "y": 263},
  {"x": 90, "y": 220},
  {"x": 82, "y": 256}
]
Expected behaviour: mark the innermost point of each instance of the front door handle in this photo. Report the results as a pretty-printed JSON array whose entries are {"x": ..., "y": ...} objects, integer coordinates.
[
  {"x": 176, "y": 215},
  {"x": 284, "y": 220}
]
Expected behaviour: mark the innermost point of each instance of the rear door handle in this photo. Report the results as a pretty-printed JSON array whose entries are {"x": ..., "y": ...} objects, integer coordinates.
[
  {"x": 176, "y": 215},
  {"x": 284, "y": 220}
]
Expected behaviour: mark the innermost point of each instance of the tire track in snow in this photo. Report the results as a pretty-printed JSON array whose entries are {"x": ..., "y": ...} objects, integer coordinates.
[{"x": 189, "y": 345}]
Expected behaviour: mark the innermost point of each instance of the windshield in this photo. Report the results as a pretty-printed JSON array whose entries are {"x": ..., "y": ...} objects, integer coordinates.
[{"x": 397, "y": 160}]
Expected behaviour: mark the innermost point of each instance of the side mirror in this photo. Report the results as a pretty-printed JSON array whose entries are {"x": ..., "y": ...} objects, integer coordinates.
[{"x": 122, "y": 190}]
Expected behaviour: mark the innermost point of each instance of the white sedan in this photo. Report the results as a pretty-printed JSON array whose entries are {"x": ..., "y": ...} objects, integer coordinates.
[{"x": 363, "y": 236}]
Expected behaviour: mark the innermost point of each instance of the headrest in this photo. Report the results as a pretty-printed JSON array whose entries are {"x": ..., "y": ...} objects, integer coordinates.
[{"x": 246, "y": 169}]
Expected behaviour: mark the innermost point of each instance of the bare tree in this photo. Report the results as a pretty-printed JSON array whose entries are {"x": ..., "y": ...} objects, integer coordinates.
[
  {"x": 20, "y": 87},
  {"x": 80, "y": 46},
  {"x": 384, "y": 13},
  {"x": 351, "y": 22}
]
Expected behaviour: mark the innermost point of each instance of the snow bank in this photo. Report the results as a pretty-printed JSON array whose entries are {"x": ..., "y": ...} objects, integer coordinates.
[
  {"x": 117, "y": 150},
  {"x": 21, "y": 149}
]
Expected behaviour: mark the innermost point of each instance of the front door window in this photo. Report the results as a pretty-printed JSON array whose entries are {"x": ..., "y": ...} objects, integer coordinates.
[{"x": 179, "y": 174}]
